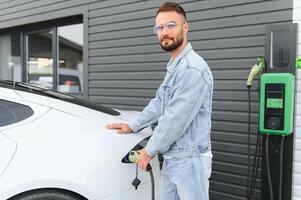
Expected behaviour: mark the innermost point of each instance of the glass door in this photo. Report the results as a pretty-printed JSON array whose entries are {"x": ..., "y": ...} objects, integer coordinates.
[
  {"x": 70, "y": 56},
  {"x": 39, "y": 59}
]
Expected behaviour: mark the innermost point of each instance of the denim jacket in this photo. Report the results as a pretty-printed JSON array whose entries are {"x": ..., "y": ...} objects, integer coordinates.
[{"x": 182, "y": 106}]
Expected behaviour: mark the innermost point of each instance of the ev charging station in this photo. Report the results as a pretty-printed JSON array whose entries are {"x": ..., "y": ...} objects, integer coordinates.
[{"x": 276, "y": 113}]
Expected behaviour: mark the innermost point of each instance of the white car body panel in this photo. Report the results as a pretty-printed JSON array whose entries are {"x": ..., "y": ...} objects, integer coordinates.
[
  {"x": 7, "y": 150},
  {"x": 67, "y": 146},
  {"x": 9, "y": 93}
]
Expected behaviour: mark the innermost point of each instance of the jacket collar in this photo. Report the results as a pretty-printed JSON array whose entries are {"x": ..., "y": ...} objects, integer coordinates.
[{"x": 173, "y": 63}]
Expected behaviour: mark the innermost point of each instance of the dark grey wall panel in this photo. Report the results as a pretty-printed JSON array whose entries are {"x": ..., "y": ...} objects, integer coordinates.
[
  {"x": 10, "y": 4},
  {"x": 194, "y": 12},
  {"x": 246, "y": 52},
  {"x": 29, "y": 11},
  {"x": 125, "y": 67},
  {"x": 138, "y": 33},
  {"x": 241, "y": 20},
  {"x": 134, "y": 45},
  {"x": 232, "y": 137},
  {"x": 126, "y": 64}
]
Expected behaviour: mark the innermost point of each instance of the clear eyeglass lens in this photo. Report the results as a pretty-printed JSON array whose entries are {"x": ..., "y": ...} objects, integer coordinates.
[
  {"x": 169, "y": 26},
  {"x": 158, "y": 28}
]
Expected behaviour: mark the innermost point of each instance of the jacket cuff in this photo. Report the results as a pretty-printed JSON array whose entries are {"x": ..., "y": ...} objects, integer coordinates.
[
  {"x": 134, "y": 126},
  {"x": 150, "y": 151}
]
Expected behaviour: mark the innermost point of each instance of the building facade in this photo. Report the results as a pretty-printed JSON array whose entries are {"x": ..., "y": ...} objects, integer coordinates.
[{"x": 112, "y": 57}]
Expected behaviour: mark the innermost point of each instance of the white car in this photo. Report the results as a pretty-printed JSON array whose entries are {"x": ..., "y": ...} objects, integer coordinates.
[{"x": 54, "y": 146}]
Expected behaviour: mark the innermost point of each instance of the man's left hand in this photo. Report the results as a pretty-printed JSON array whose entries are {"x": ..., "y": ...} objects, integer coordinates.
[{"x": 143, "y": 159}]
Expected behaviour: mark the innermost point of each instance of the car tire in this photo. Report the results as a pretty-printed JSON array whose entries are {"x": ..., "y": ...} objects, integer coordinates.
[{"x": 47, "y": 195}]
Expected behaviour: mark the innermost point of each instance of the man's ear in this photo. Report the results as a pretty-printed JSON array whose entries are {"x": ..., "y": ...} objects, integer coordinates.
[{"x": 186, "y": 27}]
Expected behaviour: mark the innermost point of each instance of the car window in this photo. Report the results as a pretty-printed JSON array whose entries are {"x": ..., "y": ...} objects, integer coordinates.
[{"x": 11, "y": 112}]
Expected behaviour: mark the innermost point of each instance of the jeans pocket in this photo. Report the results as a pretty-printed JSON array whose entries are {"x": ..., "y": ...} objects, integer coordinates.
[
  {"x": 207, "y": 165},
  {"x": 179, "y": 167}
]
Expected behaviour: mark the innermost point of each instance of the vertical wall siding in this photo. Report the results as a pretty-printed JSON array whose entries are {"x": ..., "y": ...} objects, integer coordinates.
[
  {"x": 126, "y": 64},
  {"x": 296, "y": 193}
]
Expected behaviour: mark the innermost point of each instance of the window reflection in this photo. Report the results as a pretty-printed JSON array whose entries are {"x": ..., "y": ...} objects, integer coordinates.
[
  {"x": 39, "y": 59},
  {"x": 71, "y": 59},
  {"x": 39, "y": 54},
  {"x": 10, "y": 59}
]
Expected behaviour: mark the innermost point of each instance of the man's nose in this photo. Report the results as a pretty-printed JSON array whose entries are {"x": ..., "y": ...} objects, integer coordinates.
[{"x": 164, "y": 31}]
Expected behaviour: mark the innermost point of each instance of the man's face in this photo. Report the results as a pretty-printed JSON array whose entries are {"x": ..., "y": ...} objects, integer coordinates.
[{"x": 174, "y": 30}]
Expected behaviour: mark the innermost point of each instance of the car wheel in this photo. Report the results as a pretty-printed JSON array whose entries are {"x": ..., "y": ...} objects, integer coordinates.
[{"x": 47, "y": 195}]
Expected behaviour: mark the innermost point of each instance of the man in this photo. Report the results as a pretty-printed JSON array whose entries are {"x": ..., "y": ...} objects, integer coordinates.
[{"x": 182, "y": 107}]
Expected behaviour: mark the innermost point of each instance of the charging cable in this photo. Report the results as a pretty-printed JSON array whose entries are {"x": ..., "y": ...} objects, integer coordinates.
[
  {"x": 133, "y": 156},
  {"x": 280, "y": 168},
  {"x": 268, "y": 166},
  {"x": 256, "y": 69},
  {"x": 249, "y": 140},
  {"x": 250, "y": 186},
  {"x": 255, "y": 166}
]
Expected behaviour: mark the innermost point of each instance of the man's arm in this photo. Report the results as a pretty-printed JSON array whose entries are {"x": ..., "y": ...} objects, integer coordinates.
[
  {"x": 188, "y": 95},
  {"x": 149, "y": 115}
]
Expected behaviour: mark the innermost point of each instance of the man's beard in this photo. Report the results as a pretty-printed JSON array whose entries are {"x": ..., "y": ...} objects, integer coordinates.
[{"x": 176, "y": 43}]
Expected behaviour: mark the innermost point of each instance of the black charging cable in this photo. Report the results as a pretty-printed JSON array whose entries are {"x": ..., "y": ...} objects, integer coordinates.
[
  {"x": 255, "y": 168},
  {"x": 268, "y": 166},
  {"x": 149, "y": 169},
  {"x": 250, "y": 186},
  {"x": 249, "y": 140},
  {"x": 281, "y": 167}
]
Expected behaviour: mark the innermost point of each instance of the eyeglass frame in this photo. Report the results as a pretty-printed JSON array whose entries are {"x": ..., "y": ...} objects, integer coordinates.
[{"x": 162, "y": 26}]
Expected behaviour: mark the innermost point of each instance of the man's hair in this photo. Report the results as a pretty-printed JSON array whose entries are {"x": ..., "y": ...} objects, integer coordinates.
[{"x": 171, "y": 6}]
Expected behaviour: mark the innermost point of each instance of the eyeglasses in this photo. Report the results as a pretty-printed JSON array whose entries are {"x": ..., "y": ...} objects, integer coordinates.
[{"x": 169, "y": 27}]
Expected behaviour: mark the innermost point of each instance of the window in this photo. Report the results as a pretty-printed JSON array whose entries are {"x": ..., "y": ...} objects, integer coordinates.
[
  {"x": 45, "y": 54},
  {"x": 10, "y": 59},
  {"x": 11, "y": 112},
  {"x": 70, "y": 58},
  {"x": 55, "y": 58},
  {"x": 39, "y": 58}
]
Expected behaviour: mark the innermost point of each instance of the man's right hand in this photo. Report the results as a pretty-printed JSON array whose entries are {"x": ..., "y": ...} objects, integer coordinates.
[{"x": 121, "y": 128}]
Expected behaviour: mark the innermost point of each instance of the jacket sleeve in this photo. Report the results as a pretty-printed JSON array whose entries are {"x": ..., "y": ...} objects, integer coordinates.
[
  {"x": 149, "y": 115},
  {"x": 186, "y": 98}
]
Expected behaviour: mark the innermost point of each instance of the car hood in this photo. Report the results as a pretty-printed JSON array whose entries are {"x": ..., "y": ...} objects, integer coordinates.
[
  {"x": 80, "y": 125},
  {"x": 127, "y": 115}
]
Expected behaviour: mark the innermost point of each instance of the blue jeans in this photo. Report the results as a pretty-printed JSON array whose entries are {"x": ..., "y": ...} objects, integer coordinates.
[{"x": 186, "y": 178}]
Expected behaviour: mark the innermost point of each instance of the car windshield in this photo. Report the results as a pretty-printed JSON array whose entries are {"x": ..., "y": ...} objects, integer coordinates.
[{"x": 57, "y": 95}]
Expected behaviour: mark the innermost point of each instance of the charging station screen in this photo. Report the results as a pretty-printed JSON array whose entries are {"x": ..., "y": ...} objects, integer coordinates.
[
  {"x": 274, "y": 103},
  {"x": 274, "y": 106}
]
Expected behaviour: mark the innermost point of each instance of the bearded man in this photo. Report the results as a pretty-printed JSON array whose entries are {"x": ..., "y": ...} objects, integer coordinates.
[{"x": 182, "y": 107}]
